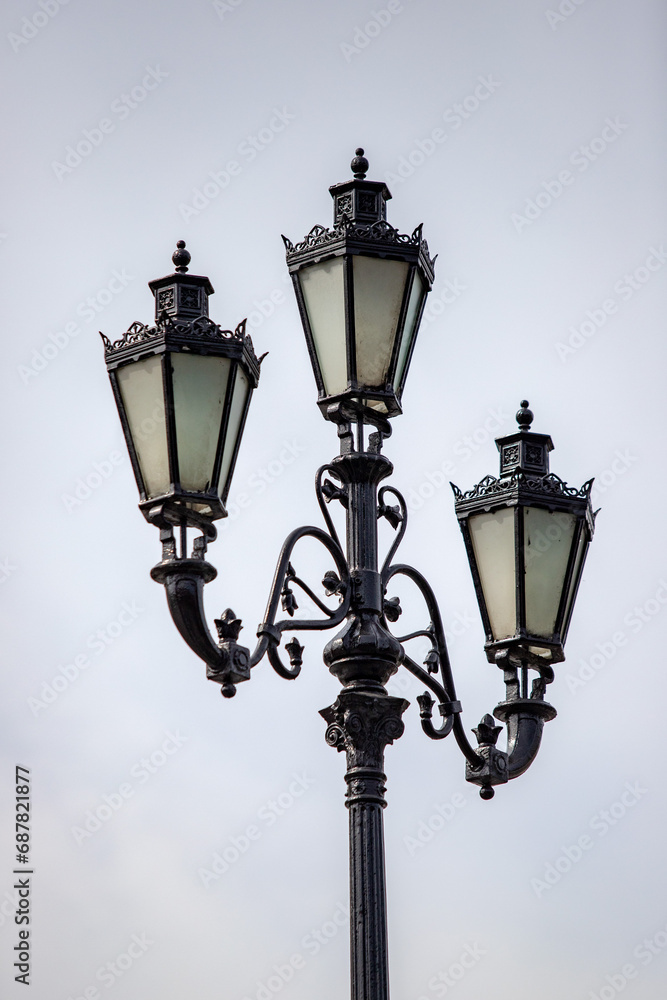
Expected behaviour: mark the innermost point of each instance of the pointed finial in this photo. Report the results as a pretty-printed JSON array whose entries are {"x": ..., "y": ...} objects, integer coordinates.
[
  {"x": 524, "y": 416},
  {"x": 181, "y": 257},
  {"x": 359, "y": 164},
  {"x": 487, "y": 732}
]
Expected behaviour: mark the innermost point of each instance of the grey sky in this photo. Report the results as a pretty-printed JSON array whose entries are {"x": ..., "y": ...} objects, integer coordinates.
[{"x": 529, "y": 139}]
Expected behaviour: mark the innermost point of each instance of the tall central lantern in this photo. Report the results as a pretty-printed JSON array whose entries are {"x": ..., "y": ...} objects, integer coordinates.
[{"x": 361, "y": 289}]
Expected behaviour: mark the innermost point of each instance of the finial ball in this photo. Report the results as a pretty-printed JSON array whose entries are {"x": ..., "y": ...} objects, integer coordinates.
[
  {"x": 524, "y": 416},
  {"x": 359, "y": 164},
  {"x": 181, "y": 257}
]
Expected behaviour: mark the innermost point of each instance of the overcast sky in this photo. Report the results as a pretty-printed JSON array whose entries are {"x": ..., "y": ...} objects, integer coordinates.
[{"x": 529, "y": 138}]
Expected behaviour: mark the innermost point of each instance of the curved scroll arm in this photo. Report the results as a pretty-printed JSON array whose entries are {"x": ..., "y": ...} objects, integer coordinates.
[
  {"x": 270, "y": 631},
  {"x": 322, "y": 502},
  {"x": 448, "y": 709},
  {"x": 403, "y": 523},
  {"x": 474, "y": 759}
]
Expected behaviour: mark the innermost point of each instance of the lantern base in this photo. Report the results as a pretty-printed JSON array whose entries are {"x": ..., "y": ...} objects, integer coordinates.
[{"x": 195, "y": 510}]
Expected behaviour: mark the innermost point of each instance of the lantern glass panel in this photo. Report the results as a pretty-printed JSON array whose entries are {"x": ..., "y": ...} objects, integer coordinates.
[
  {"x": 582, "y": 548},
  {"x": 416, "y": 296},
  {"x": 200, "y": 386},
  {"x": 234, "y": 425},
  {"x": 324, "y": 295},
  {"x": 548, "y": 537},
  {"x": 492, "y": 537},
  {"x": 141, "y": 388},
  {"x": 378, "y": 295}
]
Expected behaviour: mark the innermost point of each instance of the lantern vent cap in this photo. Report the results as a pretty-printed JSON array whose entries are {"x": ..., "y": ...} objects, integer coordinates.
[
  {"x": 524, "y": 450},
  {"x": 181, "y": 295}
]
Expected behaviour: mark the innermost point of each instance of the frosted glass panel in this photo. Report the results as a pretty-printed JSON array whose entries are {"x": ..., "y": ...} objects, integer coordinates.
[
  {"x": 378, "y": 294},
  {"x": 493, "y": 543},
  {"x": 547, "y": 542},
  {"x": 408, "y": 329},
  {"x": 582, "y": 548},
  {"x": 140, "y": 386},
  {"x": 200, "y": 385},
  {"x": 238, "y": 409},
  {"x": 323, "y": 292}
]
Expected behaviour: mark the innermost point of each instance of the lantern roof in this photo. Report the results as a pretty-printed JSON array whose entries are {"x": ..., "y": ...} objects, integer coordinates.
[
  {"x": 181, "y": 323},
  {"x": 361, "y": 227},
  {"x": 524, "y": 477}
]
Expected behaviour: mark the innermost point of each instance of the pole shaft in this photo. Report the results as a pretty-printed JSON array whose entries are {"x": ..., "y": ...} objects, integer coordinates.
[{"x": 362, "y": 724}]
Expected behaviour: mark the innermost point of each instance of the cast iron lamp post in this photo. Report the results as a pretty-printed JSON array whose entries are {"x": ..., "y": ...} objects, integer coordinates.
[{"x": 183, "y": 388}]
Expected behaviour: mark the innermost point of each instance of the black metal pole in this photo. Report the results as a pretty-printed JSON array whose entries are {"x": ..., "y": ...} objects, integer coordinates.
[
  {"x": 363, "y": 720},
  {"x": 362, "y": 725}
]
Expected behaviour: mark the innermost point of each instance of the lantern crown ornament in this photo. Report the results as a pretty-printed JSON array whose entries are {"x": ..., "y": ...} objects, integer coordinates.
[
  {"x": 183, "y": 387},
  {"x": 361, "y": 288},
  {"x": 527, "y": 535}
]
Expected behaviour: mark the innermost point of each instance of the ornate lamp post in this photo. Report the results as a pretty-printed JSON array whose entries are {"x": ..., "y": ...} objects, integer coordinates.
[{"x": 361, "y": 288}]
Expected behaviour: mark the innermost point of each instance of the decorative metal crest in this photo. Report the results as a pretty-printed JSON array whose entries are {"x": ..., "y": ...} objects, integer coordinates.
[
  {"x": 201, "y": 328},
  {"x": 550, "y": 484}
]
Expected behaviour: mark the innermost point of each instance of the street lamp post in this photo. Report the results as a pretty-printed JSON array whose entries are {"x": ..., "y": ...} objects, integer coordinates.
[{"x": 361, "y": 288}]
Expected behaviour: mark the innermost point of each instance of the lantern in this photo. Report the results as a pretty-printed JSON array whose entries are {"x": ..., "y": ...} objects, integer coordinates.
[
  {"x": 526, "y": 535},
  {"x": 183, "y": 388},
  {"x": 361, "y": 289}
]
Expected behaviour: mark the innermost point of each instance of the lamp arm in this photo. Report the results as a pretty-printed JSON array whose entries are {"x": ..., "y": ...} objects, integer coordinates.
[
  {"x": 524, "y": 735},
  {"x": 523, "y": 716},
  {"x": 183, "y": 581},
  {"x": 450, "y": 707},
  {"x": 227, "y": 662}
]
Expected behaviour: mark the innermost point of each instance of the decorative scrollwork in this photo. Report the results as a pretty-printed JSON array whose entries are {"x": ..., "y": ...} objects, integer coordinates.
[
  {"x": 397, "y": 518},
  {"x": 549, "y": 484},
  {"x": 201, "y": 328},
  {"x": 380, "y": 232}
]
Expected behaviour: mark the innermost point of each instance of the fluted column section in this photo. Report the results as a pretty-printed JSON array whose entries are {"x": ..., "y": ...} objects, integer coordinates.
[{"x": 363, "y": 724}]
